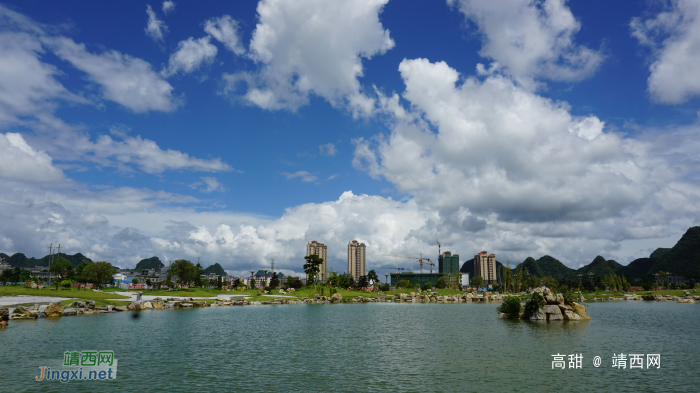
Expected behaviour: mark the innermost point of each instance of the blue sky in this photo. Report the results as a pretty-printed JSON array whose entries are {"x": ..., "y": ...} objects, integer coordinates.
[{"x": 234, "y": 132}]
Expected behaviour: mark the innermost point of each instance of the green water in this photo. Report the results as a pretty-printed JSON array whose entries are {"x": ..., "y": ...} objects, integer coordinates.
[{"x": 361, "y": 347}]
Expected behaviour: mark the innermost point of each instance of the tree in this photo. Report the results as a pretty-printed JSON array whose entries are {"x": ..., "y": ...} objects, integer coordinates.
[
  {"x": 363, "y": 282},
  {"x": 311, "y": 267},
  {"x": 62, "y": 268},
  {"x": 507, "y": 278},
  {"x": 134, "y": 280},
  {"x": 511, "y": 307},
  {"x": 184, "y": 270},
  {"x": 148, "y": 282},
  {"x": 198, "y": 275},
  {"x": 275, "y": 280},
  {"x": 373, "y": 278},
  {"x": 100, "y": 272},
  {"x": 333, "y": 278},
  {"x": 403, "y": 284},
  {"x": 79, "y": 271},
  {"x": 476, "y": 281},
  {"x": 531, "y": 282},
  {"x": 441, "y": 283}
]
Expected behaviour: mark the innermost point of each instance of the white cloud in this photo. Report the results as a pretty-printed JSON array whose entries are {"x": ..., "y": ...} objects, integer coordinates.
[
  {"x": 126, "y": 80},
  {"x": 520, "y": 173},
  {"x": 225, "y": 30},
  {"x": 208, "y": 184},
  {"x": 328, "y": 149},
  {"x": 313, "y": 46},
  {"x": 674, "y": 39},
  {"x": 304, "y": 175},
  {"x": 155, "y": 28},
  {"x": 19, "y": 161},
  {"x": 168, "y": 7},
  {"x": 190, "y": 55},
  {"x": 531, "y": 39},
  {"x": 28, "y": 88}
]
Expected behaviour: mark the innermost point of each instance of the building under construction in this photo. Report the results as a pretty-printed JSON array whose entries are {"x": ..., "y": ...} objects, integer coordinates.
[{"x": 448, "y": 267}]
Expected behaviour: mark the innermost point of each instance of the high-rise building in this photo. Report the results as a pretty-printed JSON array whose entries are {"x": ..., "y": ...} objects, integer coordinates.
[
  {"x": 485, "y": 266},
  {"x": 320, "y": 249},
  {"x": 448, "y": 263},
  {"x": 356, "y": 259}
]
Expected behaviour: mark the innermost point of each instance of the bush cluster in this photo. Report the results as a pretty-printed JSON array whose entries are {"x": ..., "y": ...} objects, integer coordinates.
[
  {"x": 511, "y": 307},
  {"x": 535, "y": 302}
]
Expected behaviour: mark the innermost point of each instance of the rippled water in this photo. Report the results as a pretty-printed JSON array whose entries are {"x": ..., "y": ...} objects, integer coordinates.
[{"x": 361, "y": 347}]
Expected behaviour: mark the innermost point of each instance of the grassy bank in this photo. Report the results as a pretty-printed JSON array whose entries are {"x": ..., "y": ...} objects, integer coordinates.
[{"x": 15, "y": 290}]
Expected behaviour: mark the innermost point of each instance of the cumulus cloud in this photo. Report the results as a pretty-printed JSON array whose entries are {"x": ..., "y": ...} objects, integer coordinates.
[
  {"x": 328, "y": 149},
  {"x": 225, "y": 30},
  {"x": 531, "y": 40},
  {"x": 673, "y": 37},
  {"x": 519, "y": 171},
  {"x": 155, "y": 28},
  {"x": 190, "y": 55},
  {"x": 19, "y": 161},
  {"x": 303, "y": 175},
  {"x": 168, "y": 7},
  {"x": 313, "y": 46}
]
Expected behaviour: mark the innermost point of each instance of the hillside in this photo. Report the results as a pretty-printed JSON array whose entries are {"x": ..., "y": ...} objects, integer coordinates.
[
  {"x": 683, "y": 258},
  {"x": 150, "y": 263},
  {"x": 216, "y": 269},
  {"x": 21, "y": 260}
]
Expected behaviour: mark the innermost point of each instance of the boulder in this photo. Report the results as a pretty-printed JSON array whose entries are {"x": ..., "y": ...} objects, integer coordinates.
[
  {"x": 70, "y": 311},
  {"x": 134, "y": 306},
  {"x": 158, "y": 305},
  {"x": 4, "y": 312},
  {"x": 147, "y": 306},
  {"x": 90, "y": 304},
  {"x": 553, "y": 313},
  {"x": 20, "y": 310},
  {"x": 539, "y": 315},
  {"x": 502, "y": 315},
  {"x": 580, "y": 311},
  {"x": 336, "y": 298},
  {"x": 686, "y": 293},
  {"x": 54, "y": 310}
]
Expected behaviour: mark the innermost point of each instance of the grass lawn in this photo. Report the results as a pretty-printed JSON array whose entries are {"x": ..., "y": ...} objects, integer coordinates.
[
  {"x": 14, "y": 290},
  {"x": 606, "y": 294}
]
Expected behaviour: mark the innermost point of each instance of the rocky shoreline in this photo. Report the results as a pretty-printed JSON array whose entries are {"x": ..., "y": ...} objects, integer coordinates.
[{"x": 553, "y": 310}]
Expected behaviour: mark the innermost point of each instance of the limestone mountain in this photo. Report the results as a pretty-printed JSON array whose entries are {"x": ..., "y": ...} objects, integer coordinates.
[
  {"x": 216, "y": 269},
  {"x": 150, "y": 263}
]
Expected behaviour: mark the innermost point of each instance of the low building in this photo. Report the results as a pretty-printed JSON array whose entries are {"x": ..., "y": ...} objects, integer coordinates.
[{"x": 415, "y": 278}]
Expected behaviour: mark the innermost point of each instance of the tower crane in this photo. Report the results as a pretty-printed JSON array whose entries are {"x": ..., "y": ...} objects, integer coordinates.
[{"x": 419, "y": 260}]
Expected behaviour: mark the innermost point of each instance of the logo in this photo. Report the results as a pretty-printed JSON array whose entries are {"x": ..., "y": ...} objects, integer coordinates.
[{"x": 82, "y": 366}]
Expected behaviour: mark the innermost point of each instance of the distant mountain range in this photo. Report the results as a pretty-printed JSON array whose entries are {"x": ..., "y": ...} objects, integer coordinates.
[
  {"x": 683, "y": 260},
  {"x": 21, "y": 260},
  {"x": 149, "y": 263}
]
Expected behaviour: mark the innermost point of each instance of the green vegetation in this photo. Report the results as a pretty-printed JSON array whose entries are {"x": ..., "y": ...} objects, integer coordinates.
[
  {"x": 98, "y": 273},
  {"x": 216, "y": 269},
  {"x": 150, "y": 263},
  {"x": 476, "y": 282},
  {"x": 534, "y": 303},
  {"x": 511, "y": 307},
  {"x": 21, "y": 261},
  {"x": 61, "y": 268},
  {"x": 312, "y": 267},
  {"x": 14, "y": 290}
]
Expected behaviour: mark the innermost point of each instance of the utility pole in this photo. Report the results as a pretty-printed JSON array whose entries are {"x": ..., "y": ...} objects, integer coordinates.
[
  {"x": 50, "y": 258},
  {"x": 59, "y": 251},
  {"x": 272, "y": 265}
]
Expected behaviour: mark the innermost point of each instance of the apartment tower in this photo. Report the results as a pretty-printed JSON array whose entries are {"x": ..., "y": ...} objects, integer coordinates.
[
  {"x": 320, "y": 249},
  {"x": 356, "y": 259},
  {"x": 485, "y": 266}
]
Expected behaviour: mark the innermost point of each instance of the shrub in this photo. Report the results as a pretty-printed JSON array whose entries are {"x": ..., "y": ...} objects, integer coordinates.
[
  {"x": 511, "y": 306},
  {"x": 441, "y": 283},
  {"x": 568, "y": 293},
  {"x": 66, "y": 284},
  {"x": 403, "y": 284},
  {"x": 533, "y": 304},
  {"x": 385, "y": 287},
  {"x": 646, "y": 284}
]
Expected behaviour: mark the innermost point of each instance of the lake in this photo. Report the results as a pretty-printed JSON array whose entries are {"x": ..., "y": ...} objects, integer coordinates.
[{"x": 362, "y": 347}]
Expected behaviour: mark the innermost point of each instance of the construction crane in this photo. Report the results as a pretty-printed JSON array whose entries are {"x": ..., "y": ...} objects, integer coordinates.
[{"x": 419, "y": 260}]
